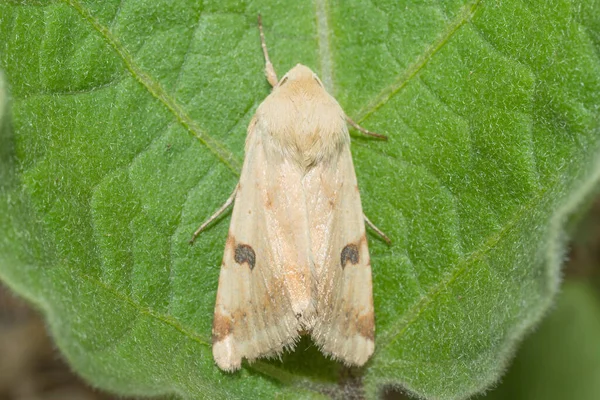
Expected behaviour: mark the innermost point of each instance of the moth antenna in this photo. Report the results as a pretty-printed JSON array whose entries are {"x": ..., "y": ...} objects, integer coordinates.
[
  {"x": 269, "y": 69},
  {"x": 377, "y": 230},
  {"x": 216, "y": 215},
  {"x": 363, "y": 130}
]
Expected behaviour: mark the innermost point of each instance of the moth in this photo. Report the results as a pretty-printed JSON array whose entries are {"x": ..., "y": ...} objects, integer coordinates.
[{"x": 296, "y": 258}]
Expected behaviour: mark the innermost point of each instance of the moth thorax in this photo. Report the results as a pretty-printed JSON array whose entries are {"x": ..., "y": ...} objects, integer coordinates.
[{"x": 307, "y": 123}]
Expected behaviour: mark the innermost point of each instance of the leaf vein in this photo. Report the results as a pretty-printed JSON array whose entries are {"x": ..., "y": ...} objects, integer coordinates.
[
  {"x": 324, "y": 45},
  {"x": 145, "y": 311},
  {"x": 419, "y": 307},
  {"x": 172, "y": 236},
  {"x": 493, "y": 47},
  {"x": 154, "y": 88},
  {"x": 431, "y": 174},
  {"x": 56, "y": 93},
  {"x": 115, "y": 340},
  {"x": 420, "y": 63},
  {"x": 117, "y": 13},
  {"x": 187, "y": 51}
]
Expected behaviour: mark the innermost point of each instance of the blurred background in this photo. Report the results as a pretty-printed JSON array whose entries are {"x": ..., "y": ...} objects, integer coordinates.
[{"x": 559, "y": 360}]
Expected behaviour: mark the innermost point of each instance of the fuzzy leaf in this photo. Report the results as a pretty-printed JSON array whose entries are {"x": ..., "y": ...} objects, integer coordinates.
[
  {"x": 125, "y": 127},
  {"x": 561, "y": 360}
]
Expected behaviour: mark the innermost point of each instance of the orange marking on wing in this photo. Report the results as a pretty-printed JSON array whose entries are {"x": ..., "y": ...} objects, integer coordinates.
[{"x": 222, "y": 327}]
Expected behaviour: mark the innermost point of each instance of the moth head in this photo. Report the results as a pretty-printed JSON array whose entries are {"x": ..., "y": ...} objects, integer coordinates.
[{"x": 300, "y": 75}]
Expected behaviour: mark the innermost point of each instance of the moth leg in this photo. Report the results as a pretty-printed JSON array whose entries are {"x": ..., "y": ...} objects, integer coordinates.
[
  {"x": 216, "y": 215},
  {"x": 363, "y": 130},
  {"x": 377, "y": 230},
  {"x": 269, "y": 70}
]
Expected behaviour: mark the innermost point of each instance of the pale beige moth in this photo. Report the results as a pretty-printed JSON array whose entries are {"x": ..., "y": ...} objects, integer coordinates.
[{"x": 296, "y": 258}]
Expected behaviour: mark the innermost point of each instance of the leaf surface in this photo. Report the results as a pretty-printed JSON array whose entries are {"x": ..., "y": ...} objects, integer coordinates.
[
  {"x": 124, "y": 130},
  {"x": 572, "y": 367}
]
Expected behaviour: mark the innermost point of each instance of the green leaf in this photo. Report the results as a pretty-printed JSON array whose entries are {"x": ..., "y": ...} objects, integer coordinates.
[
  {"x": 561, "y": 360},
  {"x": 125, "y": 128}
]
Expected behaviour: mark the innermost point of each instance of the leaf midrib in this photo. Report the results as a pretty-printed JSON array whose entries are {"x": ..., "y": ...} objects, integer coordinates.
[
  {"x": 225, "y": 156},
  {"x": 218, "y": 148},
  {"x": 324, "y": 45}
]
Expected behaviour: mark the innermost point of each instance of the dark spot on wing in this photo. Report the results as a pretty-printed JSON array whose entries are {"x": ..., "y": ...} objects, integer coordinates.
[
  {"x": 349, "y": 253},
  {"x": 245, "y": 254}
]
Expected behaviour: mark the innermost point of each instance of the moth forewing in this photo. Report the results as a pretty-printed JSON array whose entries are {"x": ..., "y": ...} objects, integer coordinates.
[{"x": 265, "y": 294}]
